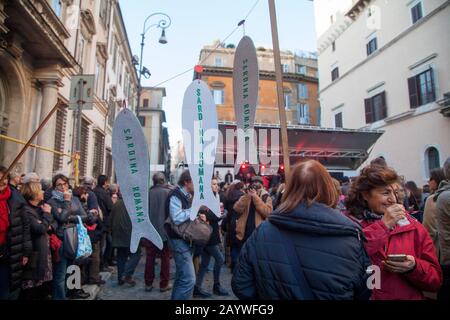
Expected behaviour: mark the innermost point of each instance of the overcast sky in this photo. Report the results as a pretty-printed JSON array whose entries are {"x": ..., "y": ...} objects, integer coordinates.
[{"x": 196, "y": 23}]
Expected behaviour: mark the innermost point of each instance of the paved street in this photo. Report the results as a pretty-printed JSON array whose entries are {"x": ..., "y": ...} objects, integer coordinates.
[{"x": 111, "y": 291}]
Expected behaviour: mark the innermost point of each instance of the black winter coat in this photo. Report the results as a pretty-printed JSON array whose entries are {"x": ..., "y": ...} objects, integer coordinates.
[
  {"x": 39, "y": 225},
  {"x": 19, "y": 238},
  {"x": 106, "y": 205},
  {"x": 229, "y": 222},
  {"x": 121, "y": 225},
  {"x": 214, "y": 223},
  {"x": 329, "y": 249}
]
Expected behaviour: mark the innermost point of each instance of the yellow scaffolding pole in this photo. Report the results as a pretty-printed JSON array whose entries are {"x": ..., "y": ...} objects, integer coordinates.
[{"x": 75, "y": 157}]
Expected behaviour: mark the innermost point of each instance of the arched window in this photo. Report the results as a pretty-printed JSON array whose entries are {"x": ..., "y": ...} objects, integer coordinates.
[{"x": 431, "y": 159}]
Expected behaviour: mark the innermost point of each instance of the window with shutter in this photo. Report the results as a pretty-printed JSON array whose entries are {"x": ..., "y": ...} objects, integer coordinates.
[
  {"x": 84, "y": 147},
  {"x": 287, "y": 100},
  {"x": 375, "y": 108},
  {"x": 218, "y": 96},
  {"x": 338, "y": 120},
  {"x": 416, "y": 12},
  {"x": 60, "y": 134},
  {"x": 335, "y": 74},
  {"x": 303, "y": 113},
  {"x": 422, "y": 89},
  {"x": 383, "y": 105},
  {"x": 413, "y": 94},
  {"x": 318, "y": 115},
  {"x": 302, "y": 91},
  {"x": 368, "y": 110},
  {"x": 372, "y": 46},
  {"x": 108, "y": 169},
  {"x": 99, "y": 149}
]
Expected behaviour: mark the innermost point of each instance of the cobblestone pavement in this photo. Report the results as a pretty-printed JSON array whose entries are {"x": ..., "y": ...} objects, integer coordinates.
[{"x": 111, "y": 290}]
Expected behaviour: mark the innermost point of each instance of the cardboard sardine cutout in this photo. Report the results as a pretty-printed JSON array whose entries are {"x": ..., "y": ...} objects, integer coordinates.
[
  {"x": 200, "y": 136},
  {"x": 132, "y": 166},
  {"x": 245, "y": 95}
]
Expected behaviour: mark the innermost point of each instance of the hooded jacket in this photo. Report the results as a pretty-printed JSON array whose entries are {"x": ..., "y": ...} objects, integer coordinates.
[{"x": 327, "y": 244}]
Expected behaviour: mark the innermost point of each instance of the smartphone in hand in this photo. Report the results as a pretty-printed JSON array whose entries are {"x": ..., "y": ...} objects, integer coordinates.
[{"x": 396, "y": 257}]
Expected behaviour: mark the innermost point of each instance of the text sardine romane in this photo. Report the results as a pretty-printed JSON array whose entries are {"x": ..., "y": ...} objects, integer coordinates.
[{"x": 132, "y": 164}]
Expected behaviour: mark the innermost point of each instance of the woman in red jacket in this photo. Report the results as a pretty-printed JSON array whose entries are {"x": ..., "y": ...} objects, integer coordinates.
[
  {"x": 372, "y": 202},
  {"x": 5, "y": 194}
]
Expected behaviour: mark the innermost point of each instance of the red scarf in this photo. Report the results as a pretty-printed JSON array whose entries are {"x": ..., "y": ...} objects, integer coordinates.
[{"x": 4, "y": 214}]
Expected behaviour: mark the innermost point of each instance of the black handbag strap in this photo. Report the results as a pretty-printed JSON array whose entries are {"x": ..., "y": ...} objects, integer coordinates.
[{"x": 296, "y": 266}]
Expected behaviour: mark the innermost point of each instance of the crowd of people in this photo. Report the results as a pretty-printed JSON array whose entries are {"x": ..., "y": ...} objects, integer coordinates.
[
  {"x": 35, "y": 216},
  {"x": 375, "y": 236}
]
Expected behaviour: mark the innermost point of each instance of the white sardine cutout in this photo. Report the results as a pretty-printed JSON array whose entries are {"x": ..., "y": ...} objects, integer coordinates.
[
  {"x": 245, "y": 95},
  {"x": 132, "y": 165},
  {"x": 200, "y": 136}
]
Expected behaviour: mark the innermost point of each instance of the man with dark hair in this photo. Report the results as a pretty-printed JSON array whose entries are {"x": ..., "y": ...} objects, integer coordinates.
[
  {"x": 157, "y": 197},
  {"x": 178, "y": 207},
  {"x": 442, "y": 199},
  {"x": 253, "y": 208},
  {"x": 105, "y": 204},
  {"x": 229, "y": 177}
]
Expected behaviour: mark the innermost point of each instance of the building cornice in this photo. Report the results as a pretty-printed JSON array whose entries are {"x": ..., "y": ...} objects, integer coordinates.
[
  {"x": 357, "y": 8},
  {"x": 263, "y": 75},
  {"x": 52, "y": 75}
]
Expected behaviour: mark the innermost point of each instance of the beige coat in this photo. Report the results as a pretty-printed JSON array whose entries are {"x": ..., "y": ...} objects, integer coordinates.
[{"x": 242, "y": 207}]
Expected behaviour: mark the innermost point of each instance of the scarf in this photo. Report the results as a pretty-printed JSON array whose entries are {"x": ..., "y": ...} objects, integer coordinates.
[{"x": 58, "y": 195}]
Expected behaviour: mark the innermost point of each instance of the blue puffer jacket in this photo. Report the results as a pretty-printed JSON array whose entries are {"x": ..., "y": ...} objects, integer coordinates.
[{"x": 328, "y": 245}]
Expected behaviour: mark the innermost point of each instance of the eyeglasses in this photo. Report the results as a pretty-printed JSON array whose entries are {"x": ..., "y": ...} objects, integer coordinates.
[{"x": 62, "y": 184}]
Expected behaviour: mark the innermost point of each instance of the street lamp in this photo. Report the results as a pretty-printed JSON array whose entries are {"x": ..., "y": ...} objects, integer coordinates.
[{"x": 163, "y": 23}]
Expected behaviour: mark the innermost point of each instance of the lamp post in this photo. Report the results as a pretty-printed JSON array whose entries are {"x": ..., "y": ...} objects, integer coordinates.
[{"x": 163, "y": 23}]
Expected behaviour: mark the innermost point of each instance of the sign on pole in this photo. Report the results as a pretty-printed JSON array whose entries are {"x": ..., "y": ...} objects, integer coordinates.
[
  {"x": 245, "y": 94},
  {"x": 82, "y": 92},
  {"x": 131, "y": 161},
  {"x": 200, "y": 136}
]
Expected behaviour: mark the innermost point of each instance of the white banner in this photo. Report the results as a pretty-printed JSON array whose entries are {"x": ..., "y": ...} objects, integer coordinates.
[
  {"x": 132, "y": 166},
  {"x": 245, "y": 93},
  {"x": 200, "y": 136}
]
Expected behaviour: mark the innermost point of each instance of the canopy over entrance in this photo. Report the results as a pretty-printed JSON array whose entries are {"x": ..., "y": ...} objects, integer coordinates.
[{"x": 336, "y": 149}]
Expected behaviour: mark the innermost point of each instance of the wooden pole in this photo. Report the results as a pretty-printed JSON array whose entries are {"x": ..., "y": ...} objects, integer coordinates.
[
  {"x": 279, "y": 80},
  {"x": 27, "y": 145}
]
